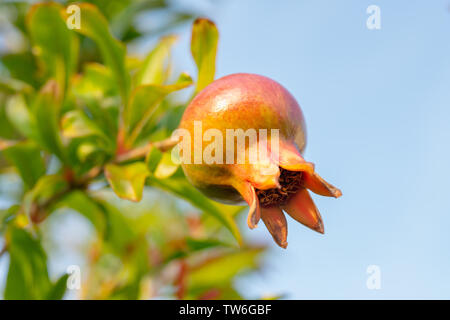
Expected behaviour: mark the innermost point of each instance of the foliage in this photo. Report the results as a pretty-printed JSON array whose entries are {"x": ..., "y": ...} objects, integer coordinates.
[{"x": 80, "y": 120}]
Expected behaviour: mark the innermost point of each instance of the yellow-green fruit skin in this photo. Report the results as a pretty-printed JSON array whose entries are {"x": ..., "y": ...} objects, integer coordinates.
[{"x": 239, "y": 101}]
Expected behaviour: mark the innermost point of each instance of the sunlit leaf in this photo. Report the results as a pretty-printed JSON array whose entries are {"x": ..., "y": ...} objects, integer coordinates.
[
  {"x": 94, "y": 25},
  {"x": 166, "y": 167},
  {"x": 20, "y": 116},
  {"x": 52, "y": 41},
  {"x": 204, "y": 48},
  {"x": 46, "y": 109},
  {"x": 119, "y": 232},
  {"x": 76, "y": 124},
  {"x": 89, "y": 150},
  {"x": 28, "y": 161},
  {"x": 98, "y": 91},
  {"x": 145, "y": 100},
  {"x": 96, "y": 81},
  {"x": 183, "y": 189},
  {"x": 153, "y": 158},
  {"x": 191, "y": 246},
  {"x": 127, "y": 181},
  {"x": 202, "y": 244},
  {"x": 212, "y": 273},
  {"x": 21, "y": 66},
  {"x": 7, "y": 129},
  {"x": 225, "y": 292},
  {"x": 154, "y": 69},
  {"x": 11, "y": 86},
  {"x": 58, "y": 289},
  {"x": 27, "y": 275},
  {"x": 7, "y": 216}
]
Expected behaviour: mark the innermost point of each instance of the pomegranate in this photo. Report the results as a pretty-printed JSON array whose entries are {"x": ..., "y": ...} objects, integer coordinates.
[{"x": 271, "y": 185}]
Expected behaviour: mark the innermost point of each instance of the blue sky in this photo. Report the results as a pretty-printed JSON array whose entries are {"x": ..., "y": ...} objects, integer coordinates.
[{"x": 377, "y": 107}]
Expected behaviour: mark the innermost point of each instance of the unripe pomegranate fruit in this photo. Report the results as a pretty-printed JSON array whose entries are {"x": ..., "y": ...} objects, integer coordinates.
[{"x": 272, "y": 184}]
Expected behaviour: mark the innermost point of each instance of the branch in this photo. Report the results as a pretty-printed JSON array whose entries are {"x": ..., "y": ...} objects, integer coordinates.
[
  {"x": 137, "y": 153},
  {"x": 141, "y": 152}
]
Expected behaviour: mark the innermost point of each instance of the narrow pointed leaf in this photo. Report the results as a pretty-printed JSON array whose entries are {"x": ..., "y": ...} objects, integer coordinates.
[
  {"x": 166, "y": 167},
  {"x": 94, "y": 25},
  {"x": 41, "y": 200},
  {"x": 213, "y": 274},
  {"x": 183, "y": 189},
  {"x": 27, "y": 275},
  {"x": 27, "y": 160},
  {"x": 144, "y": 100},
  {"x": 46, "y": 109},
  {"x": 20, "y": 116},
  {"x": 96, "y": 82},
  {"x": 76, "y": 124},
  {"x": 154, "y": 69},
  {"x": 204, "y": 41},
  {"x": 88, "y": 207},
  {"x": 52, "y": 41},
  {"x": 58, "y": 289},
  {"x": 153, "y": 158}
]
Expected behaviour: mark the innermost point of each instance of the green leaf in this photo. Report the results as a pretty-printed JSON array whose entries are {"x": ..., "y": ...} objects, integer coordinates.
[
  {"x": 90, "y": 152},
  {"x": 53, "y": 42},
  {"x": 153, "y": 158},
  {"x": 48, "y": 186},
  {"x": 88, "y": 207},
  {"x": 11, "y": 86},
  {"x": 27, "y": 275},
  {"x": 213, "y": 274},
  {"x": 192, "y": 246},
  {"x": 204, "y": 41},
  {"x": 28, "y": 161},
  {"x": 166, "y": 167},
  {"x": 127, "y": 181},
  {"x": 154, "y": 69},
  {"x": 20, "y": 116},
  {"x": 76, "y": 124},
  {"x": 202, "y": 244},
  {"x": 95, "y": 26},
  {"x": 7, "y": 216},
  {"x": 58, "y": 289},
  {"x": 183, "y": 189},
  {"x": 119, "y": 232},
  {"x": 96, "y": 82},
  {"x": 19, "y": 66},
  {"x": 7, "y": 129},
  {"x": 144, "y": 101},
  {"x": 47, "y": 191},
  {"x": 98, "y": 91},
  {"x": 45, "y": 109}
]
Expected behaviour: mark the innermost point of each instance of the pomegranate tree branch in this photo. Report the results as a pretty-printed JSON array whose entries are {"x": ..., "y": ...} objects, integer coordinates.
[{"x": 141, "y": 152}]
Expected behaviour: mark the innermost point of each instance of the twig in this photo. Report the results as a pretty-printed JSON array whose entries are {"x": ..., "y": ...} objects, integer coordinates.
[{"x": 141, "y": 152}]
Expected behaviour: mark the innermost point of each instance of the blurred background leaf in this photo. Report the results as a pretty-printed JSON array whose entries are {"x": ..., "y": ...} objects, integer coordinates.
[{"x": 52, "y": 42}]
